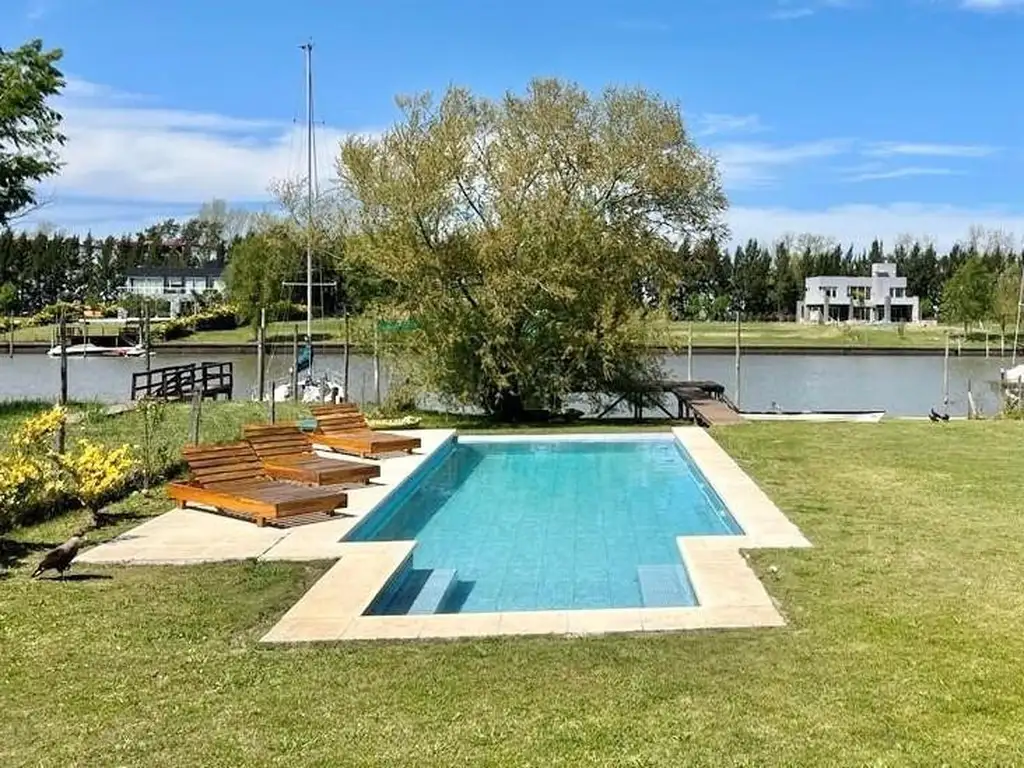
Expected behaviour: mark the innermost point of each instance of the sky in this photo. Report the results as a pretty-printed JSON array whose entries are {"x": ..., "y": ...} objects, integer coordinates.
[{"x": 852, "y": 119}]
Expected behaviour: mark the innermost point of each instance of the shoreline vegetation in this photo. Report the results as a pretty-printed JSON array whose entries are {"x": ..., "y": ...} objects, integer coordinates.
[{"x": 707, "y": 337}]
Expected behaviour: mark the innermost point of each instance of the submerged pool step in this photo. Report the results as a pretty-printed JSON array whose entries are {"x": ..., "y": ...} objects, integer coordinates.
[
  {"x": 435, "y": 590},
  {"x": 664, "y": 586}
]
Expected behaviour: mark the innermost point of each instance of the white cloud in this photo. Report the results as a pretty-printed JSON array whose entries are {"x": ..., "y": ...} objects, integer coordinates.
[
  {"x": 713, "y": 123},
  {"x": 860, "y": 224},
  {"x": 902, "y": 173},
  {"x": 121, "y": 149},
  {"x": 757, "y": 164},
  {"x": 991, "y": 5},
  {"x": 910, "y": 149}
]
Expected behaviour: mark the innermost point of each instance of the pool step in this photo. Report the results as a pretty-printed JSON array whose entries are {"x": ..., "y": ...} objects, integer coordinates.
[
  {"x": 435, "y": 590},
  {"x": 665, "y": 586}
]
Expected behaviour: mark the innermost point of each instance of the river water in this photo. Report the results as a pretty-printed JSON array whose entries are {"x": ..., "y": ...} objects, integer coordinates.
[{"x": 900, "y": 385}]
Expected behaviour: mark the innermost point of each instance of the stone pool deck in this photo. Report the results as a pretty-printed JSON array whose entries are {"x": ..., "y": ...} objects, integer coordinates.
[
  {"x": 728, "y": 592},
  {"x": 190, "y": 536}
]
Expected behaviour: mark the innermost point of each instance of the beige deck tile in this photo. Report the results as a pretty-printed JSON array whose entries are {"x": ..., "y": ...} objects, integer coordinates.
[
  {"x": 384, "y": 628},
  {"x": 731, "y": 617},
  {"x": 603, "y": 621},
  {"x": 308, "y": 630},
  {"x": 534, "y": 623},
  {"x": 673, "y": 619},
  {"x": 443, "y": 625}
]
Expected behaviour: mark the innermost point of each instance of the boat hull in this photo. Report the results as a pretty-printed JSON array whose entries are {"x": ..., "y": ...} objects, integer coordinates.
[{"x": 820, "y": 416}]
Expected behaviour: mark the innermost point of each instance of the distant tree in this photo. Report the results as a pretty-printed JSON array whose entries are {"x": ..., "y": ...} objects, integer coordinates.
[
  {"x": 8, "y": 298},
  {"x": 1006, "y": 296},
  {"x": 787, "y": 290},
  {"x": 515, "y": 232},
  {"x": 967, "y": 296}
]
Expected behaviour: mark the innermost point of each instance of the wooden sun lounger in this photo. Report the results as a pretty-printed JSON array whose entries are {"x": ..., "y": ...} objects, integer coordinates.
[
  {"x": 230, "y": 478},
  {"x": 343, "y": 428},
  {"x": 287, "y": 454}
]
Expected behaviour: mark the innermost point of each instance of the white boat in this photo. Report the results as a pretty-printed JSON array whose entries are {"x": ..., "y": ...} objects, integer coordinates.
[
  {"x": 95, "y": 350},
  {"x": 325, "y": 390},
  {"x": 1013, "y": 375},
  {"x": 871, "y": 417}
]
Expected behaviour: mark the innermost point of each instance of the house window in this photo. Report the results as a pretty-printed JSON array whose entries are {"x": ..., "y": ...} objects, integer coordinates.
[
  {"x": 830, "y": 291},
  {"x": 859, "y": 292},
  {"x": 897, "y": 293}
]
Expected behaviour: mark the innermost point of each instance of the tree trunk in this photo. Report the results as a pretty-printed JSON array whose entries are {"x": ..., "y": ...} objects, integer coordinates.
[{"x": 508, "y": 405}]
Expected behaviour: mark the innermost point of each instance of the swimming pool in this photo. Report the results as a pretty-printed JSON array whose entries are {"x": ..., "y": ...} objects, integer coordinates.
[{"x": 547, "y": 524}]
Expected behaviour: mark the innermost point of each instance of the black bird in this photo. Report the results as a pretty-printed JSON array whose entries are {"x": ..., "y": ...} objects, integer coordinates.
[
  {"x": 59, "y": 558},
  {"x": 934, "y": 416}
]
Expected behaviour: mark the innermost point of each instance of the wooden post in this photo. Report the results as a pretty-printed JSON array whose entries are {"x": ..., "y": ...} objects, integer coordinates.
[
  {"x": 986, "y": 344},
  {"x": 62, "y": 332},
  {"x": 85, "y": 336},
  {"x": 295, "y": 364},
  {"x": 1002, "y": 345},
  {"x": 689, "y": 353},
  {"x": 738, "y": 396},
  {"x": 194, "y": 416},
  {"x": 273, "y": 403},
  {"x": 344, "y": 395},
  {"x": 261, "y": 337},
  {"x": 376, "y": 361},
  {"x": 144, "y": 331},
  {"x": 10, "y": 334},
  {"x": 945, "y": 377}
]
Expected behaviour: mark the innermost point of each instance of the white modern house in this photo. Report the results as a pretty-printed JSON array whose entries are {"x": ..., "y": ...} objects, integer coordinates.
[
  {"x": 880, "y": 298},
  {"x": 177, "y": 285}
]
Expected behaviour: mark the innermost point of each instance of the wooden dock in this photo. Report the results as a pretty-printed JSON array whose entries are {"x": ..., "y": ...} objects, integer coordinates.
[
  {"x": 180, "y": 382},
  {"x": 703, "y": 402}
]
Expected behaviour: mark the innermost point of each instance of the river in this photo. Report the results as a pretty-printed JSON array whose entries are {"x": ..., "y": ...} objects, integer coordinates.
[{"x": 901, "y": 385}]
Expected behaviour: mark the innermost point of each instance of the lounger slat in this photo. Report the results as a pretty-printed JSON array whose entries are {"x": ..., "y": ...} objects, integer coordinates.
[{"x": 287, "y": 453}]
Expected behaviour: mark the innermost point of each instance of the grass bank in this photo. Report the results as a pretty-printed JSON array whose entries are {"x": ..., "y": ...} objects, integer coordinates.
[
  {"x": 754, "y": 334},
  {"x": 905, "y": 630}
]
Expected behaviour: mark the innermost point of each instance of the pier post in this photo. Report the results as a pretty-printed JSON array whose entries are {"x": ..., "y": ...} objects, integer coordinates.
[
  {"x": 144, "y": 331},
  {"x": 344, "y": 395},
  {"x": 62, "y": 336},
  {"x": 376, "y": 360},
  {"x": 273, "y": 403},
  {"x": 10, "y": 334},
  {"x": 295, "y": 364},
  {"x": 261, "y": 336},
  {"x": 689, "y": 353},
  {"x": 945, "y": 377},
  {"x": 738, "y": 397}
]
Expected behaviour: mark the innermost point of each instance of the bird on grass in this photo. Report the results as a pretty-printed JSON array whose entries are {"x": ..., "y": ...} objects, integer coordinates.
[{"x": 59, "y": 558}]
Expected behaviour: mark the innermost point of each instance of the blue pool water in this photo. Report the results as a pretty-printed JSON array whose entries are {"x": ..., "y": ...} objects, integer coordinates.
[{"x": 545, "y": 525}]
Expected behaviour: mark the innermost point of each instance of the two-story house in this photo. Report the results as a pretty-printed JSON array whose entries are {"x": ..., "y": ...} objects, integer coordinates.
[
  {"x": 880, "y": 298},
  {"x": 177, "y": 285}
]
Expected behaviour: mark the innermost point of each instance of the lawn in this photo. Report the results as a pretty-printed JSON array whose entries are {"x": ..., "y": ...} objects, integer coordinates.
[
  {"x": 906, "y": 631},
  {"x": 754, "y": 334}
]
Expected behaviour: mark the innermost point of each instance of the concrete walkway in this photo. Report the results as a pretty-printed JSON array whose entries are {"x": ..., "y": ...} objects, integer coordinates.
[{"x": 186, "y": 536}]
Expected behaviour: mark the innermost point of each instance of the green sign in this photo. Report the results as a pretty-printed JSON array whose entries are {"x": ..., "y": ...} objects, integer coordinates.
[{"x": 391, "y": 326}]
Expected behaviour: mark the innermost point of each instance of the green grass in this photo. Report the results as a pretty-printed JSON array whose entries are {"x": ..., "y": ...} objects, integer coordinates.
[
  {"x": 905, "y": 636},
  {"x": 754, "y": 334},
  {"x": 838, "y": 336}
]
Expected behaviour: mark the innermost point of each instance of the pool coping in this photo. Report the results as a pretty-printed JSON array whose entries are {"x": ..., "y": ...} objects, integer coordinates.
[{"x": 729, "y": 593}]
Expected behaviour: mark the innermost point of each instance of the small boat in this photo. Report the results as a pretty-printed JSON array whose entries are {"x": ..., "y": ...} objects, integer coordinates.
[
  {"x": 856, "y": 416},
  {"x": 95, "y": 350}
]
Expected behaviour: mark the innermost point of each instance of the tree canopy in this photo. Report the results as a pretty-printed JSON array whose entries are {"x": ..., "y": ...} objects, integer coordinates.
[
  {"x": 526, "y": 235},
  {"x": 967, "y": 296},
  {"x": 29, "y": 127}
]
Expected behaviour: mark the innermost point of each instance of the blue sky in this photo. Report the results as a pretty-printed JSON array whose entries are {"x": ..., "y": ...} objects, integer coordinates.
[{"x": 847, "y": 118}]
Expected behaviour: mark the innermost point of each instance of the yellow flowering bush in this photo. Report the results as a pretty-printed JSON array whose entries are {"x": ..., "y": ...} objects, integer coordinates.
[
  {"x": 33, "y": 476},
  {"x": 96, "y": 473}
]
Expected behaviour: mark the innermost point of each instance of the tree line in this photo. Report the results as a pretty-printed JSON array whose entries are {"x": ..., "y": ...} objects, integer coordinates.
[{"x": 762, "y": 281}]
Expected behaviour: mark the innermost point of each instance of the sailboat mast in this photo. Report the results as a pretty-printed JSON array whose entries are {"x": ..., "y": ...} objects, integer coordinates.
[{"x": 308, "y": 48}]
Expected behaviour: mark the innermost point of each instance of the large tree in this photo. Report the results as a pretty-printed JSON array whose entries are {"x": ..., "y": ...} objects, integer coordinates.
[
  {"x": 29, "y": 126},
  {"x": 967, "y": 295},
  {"x": 516, "y": 233}
]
